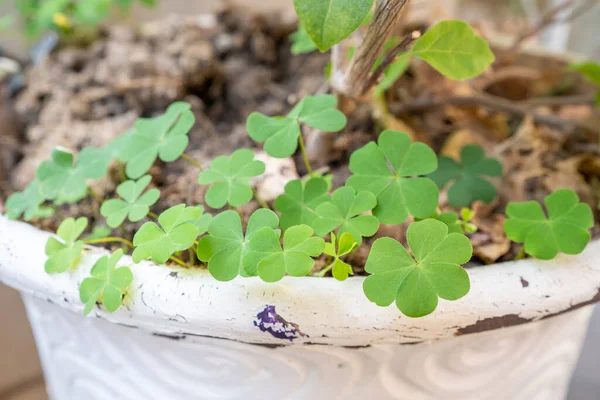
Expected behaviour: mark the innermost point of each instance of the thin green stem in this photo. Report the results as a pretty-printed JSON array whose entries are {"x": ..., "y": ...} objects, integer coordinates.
[
  {"x": 192, "y": 161},
  {"x": 192, "y": 256},
  {"x": 109, "y": 240},
  {"x": 180, "y": 262},
  {"x": 152, "y": 215},
  {"x": 305, "y": 156},
  {"x": 260, "y": 200},
  {"x": 325, "y": 270}
]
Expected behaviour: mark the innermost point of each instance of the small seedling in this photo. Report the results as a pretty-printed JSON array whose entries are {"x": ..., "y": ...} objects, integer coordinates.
[
  {"x": 225, "y": 247},
  {"x": 591, "y": 71},
  {"x": 179, "y": 227},
  {"x": 271, "y": 262},
  {"x": 28, "y": 203},
  {"x": 416, "y": 283},
  {"x": 468, "y": 185},
  {"x": 282, "y": 134},
  {"x": 454, "y": 224},
  {"x": 230, "y": 178},
  {"x": 565, "y": 230},
  {"x": 165, "y": 137},
  {"x": 387, "y": 170},
  {"x": 65, "y": 255},
  {"x": 107, "y": 284},
  {"x": 299, "y": 203},
  {"x": 134, "y": 205},
  {"x": 339, "y": 269},
  {"x": 64, "y": 181},
  {"x": 345, "y": 212}
]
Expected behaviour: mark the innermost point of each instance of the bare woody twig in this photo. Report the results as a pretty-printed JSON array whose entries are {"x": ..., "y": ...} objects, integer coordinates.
[
  {"x": 387, "y": 13},
  {"x": 487, "y": 101},
  {"x": 389, "y": 59},
  {"x": 548, "y": 18},
  {"x": 552, "y": 17}
]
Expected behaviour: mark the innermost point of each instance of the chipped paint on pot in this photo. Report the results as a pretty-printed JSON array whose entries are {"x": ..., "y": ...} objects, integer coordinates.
[{"x": 311, "y": 336}]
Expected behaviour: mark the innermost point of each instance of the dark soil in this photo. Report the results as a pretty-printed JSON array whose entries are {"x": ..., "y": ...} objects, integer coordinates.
[{"x": 229, "y": 67}]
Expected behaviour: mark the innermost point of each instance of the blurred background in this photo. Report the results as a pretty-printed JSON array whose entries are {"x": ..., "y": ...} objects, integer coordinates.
[{"x": 20, "y": 373}]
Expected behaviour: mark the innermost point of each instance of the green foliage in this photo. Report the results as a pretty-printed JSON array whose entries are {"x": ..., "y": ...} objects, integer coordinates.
[
  {"x": 230, "y": 178},
  {"x": 393, "y": 73},
  {"x": 65, "y": 181},
  {"x": 301, "y": 42},
  {"x": 345, "y": 212},
  {"x": 387, "y": 169},
  {"x": 99, "y": 232},
  {"x": 564, "y": 230},
  {"x": 281, "y": 134},
  {"x": 65, "y": 255},
  {"x": 271, "y": 262},
  {"x": 346, "y": 245},
  {"x": 299, "y": 202},
  {"x": 454, "y": 224},
  {"x": 134, "y": 205},
  {"x": 107, "y": 284},
  {"x": 40, "y": 16},
  {"x": 454, "y": 49},
  {"x": 468, "y": 186},
  {"x": 328, "y": 22},
  {"x": 27, "y": 203},
  {"x": 179, "y": 227},
  {"x": 591, "y": 71},
  {"x": 416, "y": 283},
  {"x": 164, "y": 137},
  {"x": 225, "y": 247}
]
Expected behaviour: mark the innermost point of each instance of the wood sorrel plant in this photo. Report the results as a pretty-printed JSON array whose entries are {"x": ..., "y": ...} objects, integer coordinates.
[{"x": 393, "y": 181}]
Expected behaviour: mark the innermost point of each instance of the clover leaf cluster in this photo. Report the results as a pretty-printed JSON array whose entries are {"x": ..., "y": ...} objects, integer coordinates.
[{"x": 313, "y": 228}]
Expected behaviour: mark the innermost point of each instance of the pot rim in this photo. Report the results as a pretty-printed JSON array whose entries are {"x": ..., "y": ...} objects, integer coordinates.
[{"x": 177, "y": 302}]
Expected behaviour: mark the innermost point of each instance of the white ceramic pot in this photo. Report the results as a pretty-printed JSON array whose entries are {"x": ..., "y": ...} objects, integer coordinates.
[{"x": 183, "y": 335}]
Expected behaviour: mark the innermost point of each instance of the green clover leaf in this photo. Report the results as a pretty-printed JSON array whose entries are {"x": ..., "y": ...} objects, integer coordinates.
[
  {"x": 178, "y": 230},
  {"x": 225, "y": 246},
  {"x": 64, "y": 181},
  {"x": 65, "y": 255},
  {"x": 328, "y": 22},
  {"x": 281, "y": 134},
  {"x": 346, "y": 245},
  {"x": 300, "y": 201},
  {"x": 415, "y": 284},
  {"x": 301, "y": 42},
  {"x": 107, "y": 284},
  {"x": 231, "y": 177},
  {"x": 565, "y": 230},
  {"x": 134, "y": 205},
  {"x": 345, "y": 212},
  {"x": 468, "y": 184},
  {"x": 387, "y": 169},
  {"x": 164, "y": 137},
  {"x": 27, "y": 203},
  {"x": 454, "y": 224},
  {"x": 454, "y": 50},
  {"x": 271, "y": 262}
]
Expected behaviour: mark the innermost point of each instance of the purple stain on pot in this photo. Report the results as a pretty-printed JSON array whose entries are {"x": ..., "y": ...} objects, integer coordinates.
[{"x": 268, "y": 321}]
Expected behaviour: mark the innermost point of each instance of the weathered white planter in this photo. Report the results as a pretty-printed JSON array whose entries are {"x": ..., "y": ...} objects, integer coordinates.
[{"x": 182, "y": 335}]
